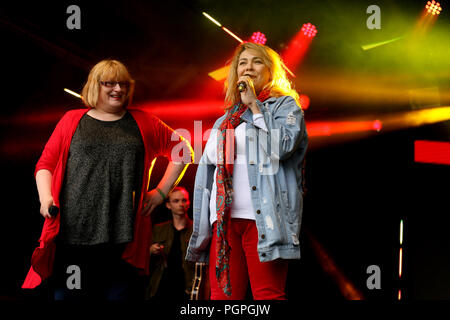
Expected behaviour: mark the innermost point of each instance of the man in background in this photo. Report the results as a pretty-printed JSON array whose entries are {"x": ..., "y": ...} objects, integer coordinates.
[{"x": 171, "y": 276}]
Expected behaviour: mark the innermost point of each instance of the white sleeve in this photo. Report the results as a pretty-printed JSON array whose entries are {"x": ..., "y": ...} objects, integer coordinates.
[{"x": 258, "y": 121}]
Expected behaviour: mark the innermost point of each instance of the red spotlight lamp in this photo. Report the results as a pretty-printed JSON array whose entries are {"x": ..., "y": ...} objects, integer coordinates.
[
  {"x": 258, "y": 37},
  {"x": 433, "y": 7},
  {"x": 309, "y": 30}
]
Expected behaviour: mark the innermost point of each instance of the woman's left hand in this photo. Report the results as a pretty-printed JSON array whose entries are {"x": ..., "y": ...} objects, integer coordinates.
[{"x": 151, "y": 200}]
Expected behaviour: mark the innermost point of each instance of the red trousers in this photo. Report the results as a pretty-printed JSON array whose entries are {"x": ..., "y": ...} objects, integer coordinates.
[{"x": 267, "y": 279}]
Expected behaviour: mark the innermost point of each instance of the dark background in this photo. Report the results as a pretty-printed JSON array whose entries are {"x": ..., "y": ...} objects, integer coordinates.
[{"x": 358, "y": 188}]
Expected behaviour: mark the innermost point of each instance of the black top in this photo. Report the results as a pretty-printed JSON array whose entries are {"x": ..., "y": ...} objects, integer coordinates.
[{"x": 104, "y": 169}]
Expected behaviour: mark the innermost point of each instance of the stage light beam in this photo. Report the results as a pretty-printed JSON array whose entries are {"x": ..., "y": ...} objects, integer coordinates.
[
  {"x": 222, "y": 27},
  {"x": 378, "y": 44},
  {"x": 401, "y": 232},
  {"x": 212, "y": 19},
  {"x": 72, "y": 93},
  {"x": 298, "y": 46},
  {"x": 232, "y": 34}
]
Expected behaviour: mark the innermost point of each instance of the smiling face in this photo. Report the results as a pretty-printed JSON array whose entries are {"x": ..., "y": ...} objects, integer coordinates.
[
  {"x": 251, "y": 64},
  {"x": 101, "y": 90},
  {"x": 112, "y": 95}
]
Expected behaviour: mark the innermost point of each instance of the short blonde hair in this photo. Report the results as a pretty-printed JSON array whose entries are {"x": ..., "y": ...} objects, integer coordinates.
[
  {"x": 279, "y": 85},
  {"x": 106, "y": 70}
]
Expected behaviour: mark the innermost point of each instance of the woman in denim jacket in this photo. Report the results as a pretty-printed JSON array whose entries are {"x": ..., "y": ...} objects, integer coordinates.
[{"x": 248, "y": 188}]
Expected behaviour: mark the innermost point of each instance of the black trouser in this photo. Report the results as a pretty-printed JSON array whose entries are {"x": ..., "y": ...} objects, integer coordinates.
[{"x": 101, "y": 271}]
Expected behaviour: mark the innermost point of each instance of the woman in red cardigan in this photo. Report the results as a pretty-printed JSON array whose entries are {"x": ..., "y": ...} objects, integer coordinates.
[{"x": 95, "y": 169}]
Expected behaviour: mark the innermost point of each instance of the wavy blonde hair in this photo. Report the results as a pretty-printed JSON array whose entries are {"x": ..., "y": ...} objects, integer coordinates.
[
  {"x": 106, "y": 70},
  {"x": 278, "y": 84}
]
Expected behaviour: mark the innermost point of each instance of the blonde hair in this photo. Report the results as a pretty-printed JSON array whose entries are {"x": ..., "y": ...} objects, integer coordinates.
[
  {"x": 278, "y": 84},
  {"x": 103, "y": 71}
]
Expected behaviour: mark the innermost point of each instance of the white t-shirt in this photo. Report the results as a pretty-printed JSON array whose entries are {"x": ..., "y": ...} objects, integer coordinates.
[{"x": 241, "y": 206}]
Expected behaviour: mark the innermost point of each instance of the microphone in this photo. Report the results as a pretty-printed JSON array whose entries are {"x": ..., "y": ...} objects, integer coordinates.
[
  {"x": 241, "y": 86},
  {"x": 53, "y": 210}
]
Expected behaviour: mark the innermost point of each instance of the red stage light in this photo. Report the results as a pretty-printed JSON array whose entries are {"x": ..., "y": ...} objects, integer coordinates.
[
  {"x": 258, "y": 37},
  {"x": 304, "y": 101},
  {"x": 309, "y": 30},
  {"x": 433, "y": 7},
  {"x": 298, "y": 46}
]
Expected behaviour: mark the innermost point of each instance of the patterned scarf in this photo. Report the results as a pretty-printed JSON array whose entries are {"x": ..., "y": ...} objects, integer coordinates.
[{"x": 224, "y": 183}]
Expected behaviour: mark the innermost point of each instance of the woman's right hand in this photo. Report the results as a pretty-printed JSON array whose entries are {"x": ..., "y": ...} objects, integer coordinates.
[
  {"x": 156, "y": 248},
  {"x": 44, "y": 186},
  {"x": 248, "y": 95},
  {"x": 45, "y": 205}
]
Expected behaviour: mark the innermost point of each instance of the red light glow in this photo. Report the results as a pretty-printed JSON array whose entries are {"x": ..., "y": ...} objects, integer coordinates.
[
  {"x": 298, "y": 46},
  {"x": 304, "y": 101},
  {"x": 377, "y": 125},
  {"x": 323, "y": 128},
  {"x": 436, "y": 152}
]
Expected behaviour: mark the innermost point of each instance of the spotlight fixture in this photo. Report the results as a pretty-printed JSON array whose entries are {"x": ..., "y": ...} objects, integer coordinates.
[
  {"x": 258, "y": 37},
  {"x": 433, "y": 7},
  {"x": 309, "y": 30}
]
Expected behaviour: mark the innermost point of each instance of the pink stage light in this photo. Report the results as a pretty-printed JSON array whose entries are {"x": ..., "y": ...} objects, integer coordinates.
[
  {"x": 309, "y": 30},
  {"x": 258, "y": 37},
  {"x": 377, "y": 125}
]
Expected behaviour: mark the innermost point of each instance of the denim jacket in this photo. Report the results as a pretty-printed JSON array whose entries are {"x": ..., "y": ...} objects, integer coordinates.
[{"x": 274, "y": 162}]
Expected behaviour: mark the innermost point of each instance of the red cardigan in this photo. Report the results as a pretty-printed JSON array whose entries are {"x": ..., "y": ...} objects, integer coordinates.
[{"x": 158, "y": 141}]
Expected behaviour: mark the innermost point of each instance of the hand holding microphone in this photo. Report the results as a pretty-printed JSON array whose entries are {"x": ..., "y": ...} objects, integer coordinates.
[
  {"x": 247, "y": 91},
  {"x": 48, "y": 209},
  {"x": 53, "y": 210},
  {"x": 241, "y": 86},
  {"x": 243, "y": 83}
]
